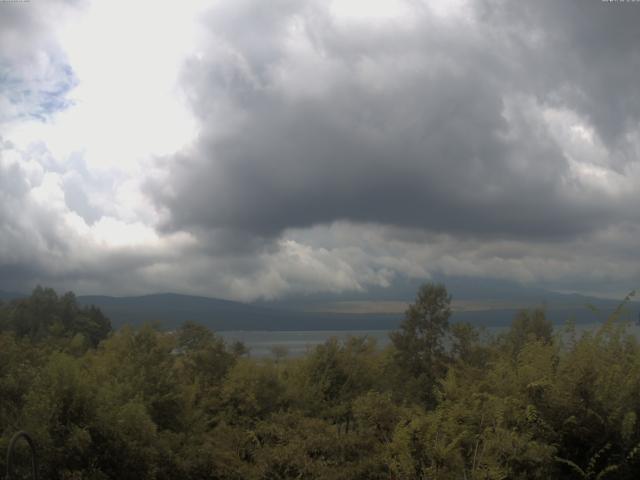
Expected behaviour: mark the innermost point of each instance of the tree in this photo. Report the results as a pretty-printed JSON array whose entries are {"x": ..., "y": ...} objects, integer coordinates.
[
  {"x": 527, "y": 326},
  {"x": 45, "y": 315},
  {"x": 419, "y": 343},
  {"x": 204, "y": 358}
]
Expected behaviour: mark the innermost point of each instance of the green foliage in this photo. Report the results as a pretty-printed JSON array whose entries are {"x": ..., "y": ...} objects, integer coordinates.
[
  {"x": 528, "y": 326},
  {"x": 44, "y": 315},
  {"x": 442, "y": 402},
  {"x": 251, "y": 392},
  {"x": 419, "y": 343}
]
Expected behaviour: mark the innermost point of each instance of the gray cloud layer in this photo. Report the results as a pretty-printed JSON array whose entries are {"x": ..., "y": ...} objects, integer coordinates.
[
  {"x": 425, "y": 123},
  {"x": 333, "y": 155}
]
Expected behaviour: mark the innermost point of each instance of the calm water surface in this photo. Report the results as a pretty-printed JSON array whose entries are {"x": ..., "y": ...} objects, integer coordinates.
[{"x": 261, "y": 344}]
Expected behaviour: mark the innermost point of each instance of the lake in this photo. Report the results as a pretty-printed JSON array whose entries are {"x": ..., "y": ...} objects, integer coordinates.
[{"x": 297, "y": 343}]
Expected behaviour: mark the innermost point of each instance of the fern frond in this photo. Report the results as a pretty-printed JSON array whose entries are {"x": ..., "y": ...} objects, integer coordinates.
[
  {"x": 591, "y": 468},
  {"x": 571, "y": 465},
  {"x": 607, "y": 471}
]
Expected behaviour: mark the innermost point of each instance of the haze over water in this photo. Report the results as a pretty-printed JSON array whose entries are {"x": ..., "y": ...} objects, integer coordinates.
[{"x": 261, "y": 343}]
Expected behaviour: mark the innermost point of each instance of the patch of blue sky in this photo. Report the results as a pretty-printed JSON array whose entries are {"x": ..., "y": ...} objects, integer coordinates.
[{"x": 38, "y": 97}]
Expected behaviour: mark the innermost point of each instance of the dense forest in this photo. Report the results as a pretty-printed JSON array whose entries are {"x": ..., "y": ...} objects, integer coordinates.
[{"x": 443, "y": 401}]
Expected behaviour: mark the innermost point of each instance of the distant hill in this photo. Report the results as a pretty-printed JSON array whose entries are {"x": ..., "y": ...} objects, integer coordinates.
[
  {"x": 496, "y": 308},
  {"x": 461, "y": 288},
  {"x": 171, "y": 310},
  {"x": 7, "y": 296}
]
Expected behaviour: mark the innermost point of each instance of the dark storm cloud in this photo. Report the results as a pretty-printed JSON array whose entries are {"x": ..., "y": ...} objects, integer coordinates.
[
  {"x": 583, "y": 54},
  {"x": 497, "y": 141},
  {"x": 424, "y": 123}
]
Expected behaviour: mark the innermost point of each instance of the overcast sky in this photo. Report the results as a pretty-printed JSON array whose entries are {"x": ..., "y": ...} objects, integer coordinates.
[{"x": 252, "y": 149}]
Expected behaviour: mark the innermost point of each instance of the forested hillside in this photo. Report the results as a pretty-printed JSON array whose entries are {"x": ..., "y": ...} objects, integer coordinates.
[{"x": 444, "y": 401}]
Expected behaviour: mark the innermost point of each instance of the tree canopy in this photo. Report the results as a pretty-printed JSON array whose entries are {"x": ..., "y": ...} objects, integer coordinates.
[{"x": 440, "y": 402}]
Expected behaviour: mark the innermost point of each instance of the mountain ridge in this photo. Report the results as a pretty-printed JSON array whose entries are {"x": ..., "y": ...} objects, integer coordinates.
[{"x": 170, "y": 310}]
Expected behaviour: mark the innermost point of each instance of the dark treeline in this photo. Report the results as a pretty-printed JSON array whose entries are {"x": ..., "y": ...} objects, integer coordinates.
[{"x": 443, "y": 401}]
